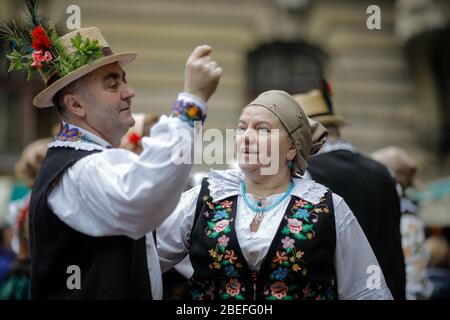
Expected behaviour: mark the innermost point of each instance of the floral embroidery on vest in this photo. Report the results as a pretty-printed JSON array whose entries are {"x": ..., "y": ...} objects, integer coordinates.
[
  {"x": 300, "y": 225},
  {"x": 304, "y": 216},
  {"x": 218, "y": 226},
  {"x": 286, "y": 274}
]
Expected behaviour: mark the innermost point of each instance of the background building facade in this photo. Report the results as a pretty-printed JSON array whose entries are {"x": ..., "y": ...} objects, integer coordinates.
[{"x": 391, "y": 84}]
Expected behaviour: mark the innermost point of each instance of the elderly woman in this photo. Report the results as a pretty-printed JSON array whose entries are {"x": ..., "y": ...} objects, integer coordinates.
[{"x": 250, "y": 235}]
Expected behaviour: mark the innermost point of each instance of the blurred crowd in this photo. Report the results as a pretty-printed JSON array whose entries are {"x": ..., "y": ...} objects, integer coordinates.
[{"x": 426, "y": 250}]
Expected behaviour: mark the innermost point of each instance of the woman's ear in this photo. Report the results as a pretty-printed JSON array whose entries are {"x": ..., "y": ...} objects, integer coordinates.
[
  {"x": 73, "y": 105},
  {"x": 292, "y": 152}
]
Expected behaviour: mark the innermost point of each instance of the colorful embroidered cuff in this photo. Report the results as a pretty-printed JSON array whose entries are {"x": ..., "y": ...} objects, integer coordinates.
[
  {"x": 189, "y": 109},
  {"x": 199, "y": 102}
]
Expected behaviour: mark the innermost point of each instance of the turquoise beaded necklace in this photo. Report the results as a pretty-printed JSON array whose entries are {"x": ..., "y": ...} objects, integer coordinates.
[{"x": 258, "y": 209}]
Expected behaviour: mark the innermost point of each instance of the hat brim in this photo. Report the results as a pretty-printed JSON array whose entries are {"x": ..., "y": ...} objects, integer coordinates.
[
  {"x": 327, "y": 120},
  {"x": 44, "y": 98}
]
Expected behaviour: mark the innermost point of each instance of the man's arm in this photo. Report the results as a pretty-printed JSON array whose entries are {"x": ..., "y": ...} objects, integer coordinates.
[{"x": 116, "y": 192}]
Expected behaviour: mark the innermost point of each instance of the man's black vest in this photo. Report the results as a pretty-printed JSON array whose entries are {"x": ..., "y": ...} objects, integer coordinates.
[
  {"x": 298, "y": 265},
  {"x": 369, "y": 190},
  {"x": 113, "y": 267}
]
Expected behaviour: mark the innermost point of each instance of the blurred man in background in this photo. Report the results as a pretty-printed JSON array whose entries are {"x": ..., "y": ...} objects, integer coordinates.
[
  {"x": 403, "y": 168},
  {"x": 365, "y": 185}
]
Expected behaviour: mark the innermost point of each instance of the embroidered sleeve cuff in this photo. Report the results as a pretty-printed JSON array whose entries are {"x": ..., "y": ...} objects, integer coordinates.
[
  {"x": 198, "y": 102},
  {"x": 189, "y": 108}
]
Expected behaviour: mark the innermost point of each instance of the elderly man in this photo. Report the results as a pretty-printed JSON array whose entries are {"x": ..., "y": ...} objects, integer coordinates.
[
  {"x": 404, "y": 168},
  {"x": 365, "y": 185},
  {"x": 92, "y": 204}
]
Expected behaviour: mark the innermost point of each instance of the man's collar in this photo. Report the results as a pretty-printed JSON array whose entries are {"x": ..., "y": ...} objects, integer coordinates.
[
  {"x": 73, "y": 136},
  {"x": 337, "y": 145}
]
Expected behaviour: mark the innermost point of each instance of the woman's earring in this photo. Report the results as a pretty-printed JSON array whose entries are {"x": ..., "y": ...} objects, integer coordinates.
[{"x": 290, "y": 164}]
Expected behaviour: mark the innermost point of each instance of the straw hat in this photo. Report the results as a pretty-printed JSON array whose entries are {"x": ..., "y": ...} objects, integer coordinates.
[
  {"x": 315, "y": 106},
  {"x": 54, "y": 83}
]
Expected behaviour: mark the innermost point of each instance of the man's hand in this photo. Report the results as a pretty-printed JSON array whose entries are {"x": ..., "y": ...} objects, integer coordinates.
[{"x": 202, "y": 73}]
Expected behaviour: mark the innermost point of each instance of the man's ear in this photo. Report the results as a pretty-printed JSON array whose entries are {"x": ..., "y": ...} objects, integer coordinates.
[{"x": 74, "y": 105}]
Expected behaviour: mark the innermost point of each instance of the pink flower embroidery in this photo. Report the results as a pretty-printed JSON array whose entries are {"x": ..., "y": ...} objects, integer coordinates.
[
  {"x": 223, "y": 240},
  {"x": 287, "y": 243},
  {"x": 221, "y": 225},
  {"x": 230, "y": 256},
  {"x": 233, "y": 287},
  {"x": 300, "y": 203},
  {"x": 226, "y": 204},
  {"x": 295, "y": 226},
  {"x": 279, "y": 289}
]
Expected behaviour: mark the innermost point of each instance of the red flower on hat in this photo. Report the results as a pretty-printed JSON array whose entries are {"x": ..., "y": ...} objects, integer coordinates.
[
  {"x": 134, "y": 138},
  {"x": 40, "y": 39}
]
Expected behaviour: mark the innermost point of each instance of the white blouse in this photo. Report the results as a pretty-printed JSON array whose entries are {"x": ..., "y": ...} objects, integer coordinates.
[{"x": 353, "y": 255}]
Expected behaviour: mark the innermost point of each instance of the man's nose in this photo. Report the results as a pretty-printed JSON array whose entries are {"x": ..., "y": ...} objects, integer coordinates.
[{"x": 128, "y": 93}]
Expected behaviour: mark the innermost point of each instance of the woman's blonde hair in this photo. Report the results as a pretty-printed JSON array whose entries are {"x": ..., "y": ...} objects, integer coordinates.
[{"x": 31, "y": 160}]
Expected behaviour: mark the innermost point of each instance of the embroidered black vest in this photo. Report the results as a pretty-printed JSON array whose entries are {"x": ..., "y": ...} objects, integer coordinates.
[
  {"x": 113, "y": 267},
  {"x": 299, "y": 263}
]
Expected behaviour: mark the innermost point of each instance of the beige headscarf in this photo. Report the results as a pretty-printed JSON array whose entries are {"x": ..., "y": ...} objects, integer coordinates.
[{"x": 307, "y": 134}]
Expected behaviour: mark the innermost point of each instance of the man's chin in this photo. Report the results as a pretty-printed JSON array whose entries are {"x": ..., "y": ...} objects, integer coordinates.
[{"x": 130, "y": 121}]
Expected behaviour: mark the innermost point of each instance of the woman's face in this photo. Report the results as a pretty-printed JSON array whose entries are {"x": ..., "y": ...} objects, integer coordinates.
[{"x": 262, "y": 142}]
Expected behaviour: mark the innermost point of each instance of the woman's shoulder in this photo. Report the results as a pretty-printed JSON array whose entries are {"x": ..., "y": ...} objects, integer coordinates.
[
  {"x": 309, "y": 190},
  {"x": 224, "y": 183},
  {"x": 232, "y": 176},
  {"x": 312, "y": 191}
]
